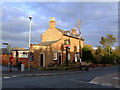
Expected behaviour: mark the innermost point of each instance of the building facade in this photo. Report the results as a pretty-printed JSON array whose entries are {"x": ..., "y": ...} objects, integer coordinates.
[
  {"x": 18, "y": 54},
  {"x": 52, "y": 49}
]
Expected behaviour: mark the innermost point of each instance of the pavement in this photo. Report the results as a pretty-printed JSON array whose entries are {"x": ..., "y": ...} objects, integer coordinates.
[
  {"x": 35, "y": 72},
  {"x": 107, "y": 80},
  {"x": 32, "y": 72}
]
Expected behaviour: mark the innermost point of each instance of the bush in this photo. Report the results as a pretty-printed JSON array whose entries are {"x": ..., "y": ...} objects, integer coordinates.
[
  {"x": 97, "y": 59},
  {"x": 107, "y": 59},
  {"x": 87, "y": 56}
]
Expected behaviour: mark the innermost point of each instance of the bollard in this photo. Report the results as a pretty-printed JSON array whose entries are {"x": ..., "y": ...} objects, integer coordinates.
[
  {"x": 22, "y": 67},
  {"x": 8, "y": 66}
]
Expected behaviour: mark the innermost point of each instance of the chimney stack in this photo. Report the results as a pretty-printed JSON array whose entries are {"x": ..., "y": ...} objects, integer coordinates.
[
  {"x": 74, "y": 31},
  {"x": 52, "y": 23}
]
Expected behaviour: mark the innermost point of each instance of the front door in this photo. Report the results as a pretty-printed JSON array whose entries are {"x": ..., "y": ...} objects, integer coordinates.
[
  {"x": 60, "y": 58},
  {"x": 41, "y": 59}
]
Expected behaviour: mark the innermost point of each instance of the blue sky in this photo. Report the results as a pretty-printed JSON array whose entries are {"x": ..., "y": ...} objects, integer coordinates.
[{"x": 97, "y": 19}]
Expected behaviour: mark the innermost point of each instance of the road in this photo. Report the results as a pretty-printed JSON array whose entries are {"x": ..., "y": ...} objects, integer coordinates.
[{"x": 79, "y": 80}]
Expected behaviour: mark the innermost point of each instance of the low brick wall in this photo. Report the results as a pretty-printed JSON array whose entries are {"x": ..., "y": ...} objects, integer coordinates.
[
  {"x": 4, "y": 59},
  {"x": 101, "y": 65}
]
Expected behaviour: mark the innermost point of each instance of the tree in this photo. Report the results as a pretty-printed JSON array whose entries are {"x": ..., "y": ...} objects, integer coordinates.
[
  {"x": 117, "y": 51},
  {"x": 107, "y": 42},
  {"x": 98, "y": 50},
  {"x": 86, "y": 53}
]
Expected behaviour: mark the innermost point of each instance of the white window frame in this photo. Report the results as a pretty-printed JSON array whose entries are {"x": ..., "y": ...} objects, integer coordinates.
[
  {"x": 23, "y": 54},
  {"x": 14, "y": 53},
  {"x": 68, "y": 56},
  {"x": 75, "y": 57},
  {"x": 55, "y": 55},
  {"x": 68, "y": 33}
]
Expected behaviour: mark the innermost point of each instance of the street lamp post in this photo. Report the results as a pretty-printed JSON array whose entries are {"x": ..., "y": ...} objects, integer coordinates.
[{"x": 30, "y": 17}]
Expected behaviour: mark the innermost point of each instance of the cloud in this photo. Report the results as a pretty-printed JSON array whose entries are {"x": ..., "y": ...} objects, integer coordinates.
[{"x": 97, "y": 19}]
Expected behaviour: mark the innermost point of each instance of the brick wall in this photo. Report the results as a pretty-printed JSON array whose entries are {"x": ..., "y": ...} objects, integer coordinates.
[
  {"x": 5, "y": 59},
  {"x": 49, "y": 52},
  {"x": 51, "y": 35}
]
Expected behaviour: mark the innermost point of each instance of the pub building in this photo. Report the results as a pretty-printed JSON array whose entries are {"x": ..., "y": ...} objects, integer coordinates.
[{"x": 57, "y": 46}]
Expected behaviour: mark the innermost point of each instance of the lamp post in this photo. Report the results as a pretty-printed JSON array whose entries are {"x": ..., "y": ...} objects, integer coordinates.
[
  {"x": 30, "y": 17},
  {"x": 67, "y": 46}
]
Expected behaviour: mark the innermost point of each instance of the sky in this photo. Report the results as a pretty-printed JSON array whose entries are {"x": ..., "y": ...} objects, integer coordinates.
[{"x": 97, "y": 19}]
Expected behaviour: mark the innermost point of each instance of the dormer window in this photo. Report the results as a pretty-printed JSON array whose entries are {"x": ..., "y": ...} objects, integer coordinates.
[
  {"x": 68, "y": 33},
  {"x": 77, "y": 36}
]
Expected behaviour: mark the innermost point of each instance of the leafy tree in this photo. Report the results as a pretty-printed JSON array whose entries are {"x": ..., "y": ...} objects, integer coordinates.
[
  {"x": 107, "y": 42},
  {"x": 86, "y": 53},
  {"x": 108, "y": 59},
  {"x": 117, "y": 51},
  {"x": 98, "y": 50}
]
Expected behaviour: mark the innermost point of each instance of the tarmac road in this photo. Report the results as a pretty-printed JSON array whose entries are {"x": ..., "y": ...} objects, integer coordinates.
[{"x": 82, "y": 79}]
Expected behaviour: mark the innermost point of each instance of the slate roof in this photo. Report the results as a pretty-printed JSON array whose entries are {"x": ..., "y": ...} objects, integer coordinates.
[
  {"x": 70, "y": 34},
  {"x": 60, "y": 30},
  {"x": 48, "y": 43}
]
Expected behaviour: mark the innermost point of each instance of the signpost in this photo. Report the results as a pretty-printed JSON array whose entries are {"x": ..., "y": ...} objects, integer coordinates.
[
  {"x": 30, "y": 56},
  {"x": 8, "y": 51}
]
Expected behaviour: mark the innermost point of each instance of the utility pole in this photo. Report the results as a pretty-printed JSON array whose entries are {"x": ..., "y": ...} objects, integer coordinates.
[{"x": 80, "y": 48}]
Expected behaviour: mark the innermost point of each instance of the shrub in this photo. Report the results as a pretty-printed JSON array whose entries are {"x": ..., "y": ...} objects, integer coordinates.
[
  {"x": 108, "y": 59},
  {"x": 97, "y": 59},
  {"x": 87, "y": 56}
]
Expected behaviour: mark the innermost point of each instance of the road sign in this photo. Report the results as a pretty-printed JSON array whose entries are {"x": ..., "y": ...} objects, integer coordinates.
[
  {"x": 8, "y": 47},
  {"x": 66, "y": 43},
  {"x": 30, "y": 56}
]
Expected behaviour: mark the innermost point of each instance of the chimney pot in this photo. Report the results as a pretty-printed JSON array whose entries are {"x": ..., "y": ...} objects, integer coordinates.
[
  {"x": 52, "y": 23},
  {"x": 74, "y": 31}
]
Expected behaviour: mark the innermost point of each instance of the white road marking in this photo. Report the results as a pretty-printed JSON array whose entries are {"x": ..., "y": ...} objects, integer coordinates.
[
  {"x": 108, "y": 84},
  {"x": 93, "y": 82},
  {"x": 6, "y": 77},
  {"x": 115, "y": 78},
  {"x": 117, "y": 86},
  {"x": 103, "y": 84},
  {"x": 76, "y": 80},
  {"x": 14, "y": 76}
]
